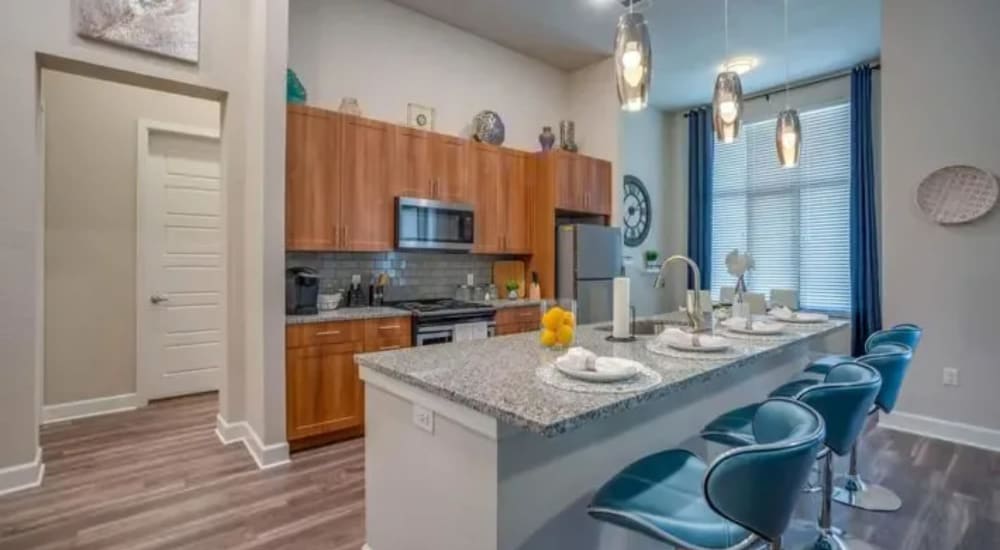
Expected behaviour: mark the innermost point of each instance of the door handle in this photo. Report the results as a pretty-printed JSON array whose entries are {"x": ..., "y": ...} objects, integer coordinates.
[{"x": 157, "y": 299}]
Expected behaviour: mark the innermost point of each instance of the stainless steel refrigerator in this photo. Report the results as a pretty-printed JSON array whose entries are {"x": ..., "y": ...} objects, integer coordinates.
[{"x": 588, "y": 258}]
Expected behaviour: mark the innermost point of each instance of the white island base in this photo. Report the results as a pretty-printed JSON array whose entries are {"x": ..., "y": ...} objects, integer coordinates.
[{"x": 475, "y": 483}]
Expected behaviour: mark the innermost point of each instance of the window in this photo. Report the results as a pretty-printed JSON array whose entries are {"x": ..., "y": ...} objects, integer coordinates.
[{"x": 794, "y": 222}]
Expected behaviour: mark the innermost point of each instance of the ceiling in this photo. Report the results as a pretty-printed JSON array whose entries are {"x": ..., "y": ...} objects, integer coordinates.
[{"x": 688, "y": 37}]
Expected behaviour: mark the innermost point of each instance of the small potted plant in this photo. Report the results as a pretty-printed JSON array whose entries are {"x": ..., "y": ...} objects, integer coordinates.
[
  {"x": 512, "y": 287},
  {"x": 651, "y": 257}
]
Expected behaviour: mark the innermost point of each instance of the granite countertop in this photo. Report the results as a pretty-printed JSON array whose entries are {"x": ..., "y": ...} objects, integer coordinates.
[
  {"x": 347, "y": 314},
  {"x": 497, "y": 377}
]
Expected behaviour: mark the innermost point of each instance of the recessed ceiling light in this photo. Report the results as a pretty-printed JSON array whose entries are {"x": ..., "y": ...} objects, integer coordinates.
[{"x": 740, "y": 65}]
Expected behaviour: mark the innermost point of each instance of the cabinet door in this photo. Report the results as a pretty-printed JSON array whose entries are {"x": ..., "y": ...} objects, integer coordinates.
[
  {"x": 413, "y": 174},
  {"x": 451, "y": 173},
  {"x": 366, "y": 203},
  {"x": 485, "y": 168},
  {"x": 564, "y": 171},
  {"x": 601, "y": 187},
  {"x": 323, "y": 390},
  {"x": 312, "y": 179},
  {"x": 585, "y": 174},
  {"x": 514, "y": 194}
]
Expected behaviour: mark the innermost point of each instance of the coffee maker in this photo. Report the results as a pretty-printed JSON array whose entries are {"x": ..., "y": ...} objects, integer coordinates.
[{"x": 301, "y": 291}]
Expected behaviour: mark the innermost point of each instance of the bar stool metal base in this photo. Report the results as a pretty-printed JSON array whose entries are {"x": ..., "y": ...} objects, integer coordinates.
[{"x": 854, "y": 492}]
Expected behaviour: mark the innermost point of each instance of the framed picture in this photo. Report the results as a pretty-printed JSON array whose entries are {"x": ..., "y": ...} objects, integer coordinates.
[
  {"x": 420, "y": 116},
  {"x": 170, "y": 28}
]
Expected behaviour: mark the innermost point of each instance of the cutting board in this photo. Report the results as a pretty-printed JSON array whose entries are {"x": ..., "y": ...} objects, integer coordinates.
[{"x": 506, "y": 270}]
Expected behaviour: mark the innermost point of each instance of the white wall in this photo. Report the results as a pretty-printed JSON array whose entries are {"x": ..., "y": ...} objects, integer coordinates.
[
  {"x": 30, "y": 28},
  {"x": 940, "y": 109},
  {"x": 644, "y": 145},
  {"x": 90, "y": 228},
  {"x": 388, "y": 56}
]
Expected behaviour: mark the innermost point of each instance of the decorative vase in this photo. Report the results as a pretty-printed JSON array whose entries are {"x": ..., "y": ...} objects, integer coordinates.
[
  {"x": 489, "y": 128},
  {"x": 567, "y": 136},
  {"x": 294, "y": 90},
  {"x": 350, "y": 106},
  {"x": 547, "y": 139},
  {"x": 512, "y": 295}
]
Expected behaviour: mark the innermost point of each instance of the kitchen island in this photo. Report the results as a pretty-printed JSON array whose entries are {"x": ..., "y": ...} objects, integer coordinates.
[{"x": 468, "y": 449}]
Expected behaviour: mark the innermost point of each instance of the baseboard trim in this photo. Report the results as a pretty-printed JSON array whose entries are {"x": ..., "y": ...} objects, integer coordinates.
[
  {"x": 23, "y": 476},
  {"x": 90, "y": 407},
  {"x": 945, "y": 430},
  {"x": 266, "y": 456}
]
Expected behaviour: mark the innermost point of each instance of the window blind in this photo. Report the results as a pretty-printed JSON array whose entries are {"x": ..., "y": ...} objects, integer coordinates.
[{"x": 795, "y": 222}]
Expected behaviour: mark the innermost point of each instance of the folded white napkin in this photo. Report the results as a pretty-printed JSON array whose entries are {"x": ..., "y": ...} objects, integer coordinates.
[
  {"x": 679, "y": 338},
  {"x": 784, "y": 314},
  {"x": 614, "y": 365},
  {"x": 578, "y": 359}
]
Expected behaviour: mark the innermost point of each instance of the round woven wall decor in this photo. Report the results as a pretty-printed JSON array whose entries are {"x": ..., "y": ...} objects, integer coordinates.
[{"x": 957, "y": 194}]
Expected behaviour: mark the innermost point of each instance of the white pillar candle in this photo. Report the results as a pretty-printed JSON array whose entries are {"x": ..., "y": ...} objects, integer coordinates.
[{"x": 621, "y": 319}]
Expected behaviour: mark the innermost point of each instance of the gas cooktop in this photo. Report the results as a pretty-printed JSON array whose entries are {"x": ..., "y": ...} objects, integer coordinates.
[{"x": 443, "y": 304}]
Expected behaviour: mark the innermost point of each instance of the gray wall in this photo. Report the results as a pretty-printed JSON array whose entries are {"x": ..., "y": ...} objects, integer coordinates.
[
  {"x": 90, "y": 228},
  {"x": 941, "y": 108},
  {"x": 414, "y": 275}
]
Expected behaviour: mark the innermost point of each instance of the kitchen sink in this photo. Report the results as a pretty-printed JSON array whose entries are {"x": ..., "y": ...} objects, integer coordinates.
[{"x": 648, "y": 328}]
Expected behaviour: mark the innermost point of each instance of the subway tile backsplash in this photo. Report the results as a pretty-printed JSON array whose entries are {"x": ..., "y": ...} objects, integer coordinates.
[{"x": 414, "y": 275}]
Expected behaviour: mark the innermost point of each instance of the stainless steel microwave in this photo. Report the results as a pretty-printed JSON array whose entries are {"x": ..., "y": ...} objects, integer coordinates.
[{"x": 423, "y": 224}]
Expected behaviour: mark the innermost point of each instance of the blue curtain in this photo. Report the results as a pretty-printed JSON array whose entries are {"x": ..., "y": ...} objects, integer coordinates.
[
  {"x": 701, "y": 149},
  {"x": 866, "y": 293}
]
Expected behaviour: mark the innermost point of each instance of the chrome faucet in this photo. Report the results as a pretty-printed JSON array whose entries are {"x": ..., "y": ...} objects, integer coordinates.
[{"x": 696, "y": 318}]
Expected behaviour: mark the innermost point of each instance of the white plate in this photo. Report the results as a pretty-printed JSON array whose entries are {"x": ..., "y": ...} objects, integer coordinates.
[
  {"x": 764, "y": 328},
  {"x": 709, "y": 344},
  {"x": 603, "y": 375},
  {"x": 802, "y": 317}
]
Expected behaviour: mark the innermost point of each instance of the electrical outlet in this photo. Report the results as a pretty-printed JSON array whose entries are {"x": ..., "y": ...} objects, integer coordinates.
[
  {"x": 423, "y": 418},
  {"x": 950, "y": 377},
  {"x": 470, "y": 279}
]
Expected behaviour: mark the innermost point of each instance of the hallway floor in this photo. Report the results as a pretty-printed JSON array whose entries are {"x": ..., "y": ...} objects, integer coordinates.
[{"x": 158, "y": 478}]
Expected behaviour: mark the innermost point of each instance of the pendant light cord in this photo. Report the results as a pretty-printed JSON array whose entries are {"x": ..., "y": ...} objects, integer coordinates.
[
  {"x": 787, "y": 55},
  {"x": 726, "y": 26}
]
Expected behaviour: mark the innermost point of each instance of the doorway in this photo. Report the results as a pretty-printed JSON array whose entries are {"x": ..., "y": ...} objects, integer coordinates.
[{"x": 133, "y": 208}]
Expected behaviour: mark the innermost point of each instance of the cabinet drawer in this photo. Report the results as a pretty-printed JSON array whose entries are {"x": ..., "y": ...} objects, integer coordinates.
[
  {"x": 315, "y": 334},
  {"x": 519, "y": 316},
  {"x": 388, "y": 334}
]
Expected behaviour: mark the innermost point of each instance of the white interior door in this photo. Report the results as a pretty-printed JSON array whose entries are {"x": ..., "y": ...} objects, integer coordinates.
[{"x": 181, "y": 245}]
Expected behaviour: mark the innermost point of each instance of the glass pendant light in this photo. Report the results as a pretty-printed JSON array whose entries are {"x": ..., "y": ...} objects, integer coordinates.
[
  {"x": 633, "y": 60},
  {"x": 727, "y": 101},
  {"x": 788, "y": 133}
]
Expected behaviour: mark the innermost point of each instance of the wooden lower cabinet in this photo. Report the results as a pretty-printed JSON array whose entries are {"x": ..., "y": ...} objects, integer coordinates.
[
  {"x": 324, "y": 396},
  {"x": 517, "y": 320}
]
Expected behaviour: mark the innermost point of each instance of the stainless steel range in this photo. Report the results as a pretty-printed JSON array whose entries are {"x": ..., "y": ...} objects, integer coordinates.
[{"x": 446, "y": 320}]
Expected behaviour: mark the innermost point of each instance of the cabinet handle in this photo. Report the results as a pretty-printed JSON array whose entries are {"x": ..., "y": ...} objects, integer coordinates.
[
  {"x": 390, "y": 327},
  {"x": 328, "y": 333},
  {"x": 389, "y": 348},
  {"x": 526, "y": 313},
  {"x": 346, "y": 233}
]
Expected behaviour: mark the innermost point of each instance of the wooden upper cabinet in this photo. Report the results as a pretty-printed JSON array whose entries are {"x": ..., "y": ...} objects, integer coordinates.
[
  {"x": 312, "y": 179},
  {"x": 323, "y": 391},
  {"x": 601, "y": 187},
  {"x": 413, "y": 172},
  {"x": 515, "y": 194},
  {"x": 485, "y": 166},
  {"x": 367, "y": 208},
  {"x": 582, "y": 183},
  {"x": 450, "y": 169}
]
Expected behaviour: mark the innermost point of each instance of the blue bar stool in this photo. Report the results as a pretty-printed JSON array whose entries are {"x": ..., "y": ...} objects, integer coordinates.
[
  {"x": 907, "y": 334},
  {"x": 745, "y": 495},
  {"x": 843, "y": 399}
]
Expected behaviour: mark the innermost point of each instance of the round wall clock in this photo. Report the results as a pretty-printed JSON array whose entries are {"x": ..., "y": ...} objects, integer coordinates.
[{"x": 638, "y": 212}]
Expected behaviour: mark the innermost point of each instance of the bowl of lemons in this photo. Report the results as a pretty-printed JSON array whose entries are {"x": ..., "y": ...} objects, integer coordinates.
[{"x": 558, "y": 329}]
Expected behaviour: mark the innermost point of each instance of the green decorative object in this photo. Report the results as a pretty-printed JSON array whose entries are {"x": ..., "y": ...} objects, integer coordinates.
[{"x": 295, "y": 90}]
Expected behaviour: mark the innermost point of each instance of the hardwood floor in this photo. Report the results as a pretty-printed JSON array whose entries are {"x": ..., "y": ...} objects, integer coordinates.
[{"x": 158, "y": 478}]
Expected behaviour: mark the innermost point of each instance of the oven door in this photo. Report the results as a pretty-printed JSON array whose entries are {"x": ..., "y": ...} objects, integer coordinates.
[
  {"x": 429, "y": 335},
  {"x": 423, "y": 224}
]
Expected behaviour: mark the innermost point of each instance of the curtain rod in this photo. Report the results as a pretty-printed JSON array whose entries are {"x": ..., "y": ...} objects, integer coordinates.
[{"x": 875, "y": 65}]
